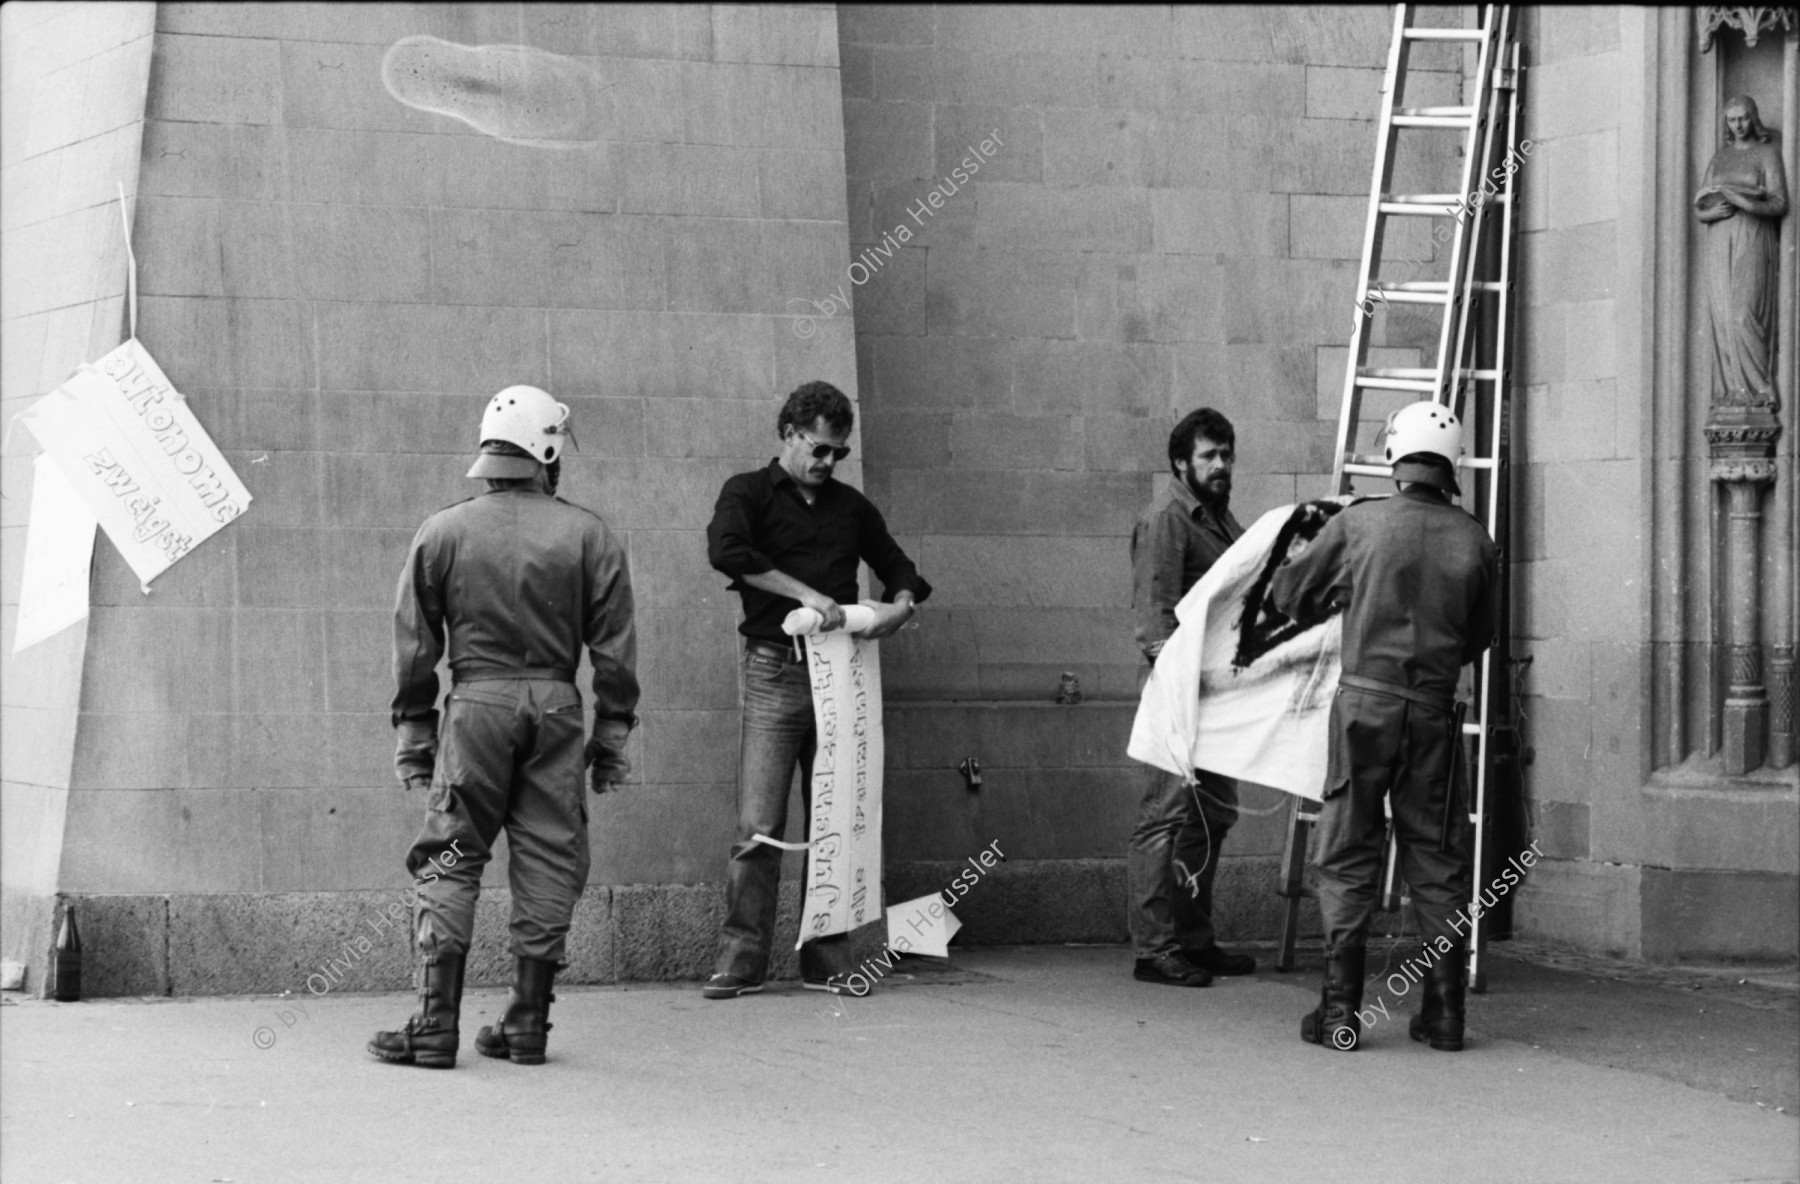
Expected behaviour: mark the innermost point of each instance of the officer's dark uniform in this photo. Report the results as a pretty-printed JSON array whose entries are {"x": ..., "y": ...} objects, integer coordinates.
[
  {"x": 521, "y": 581},
  {"x": 1415, "y": 574}
]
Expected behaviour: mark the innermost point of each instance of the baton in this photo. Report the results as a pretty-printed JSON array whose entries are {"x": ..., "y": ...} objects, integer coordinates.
[{"x": 1457, "y": 715}]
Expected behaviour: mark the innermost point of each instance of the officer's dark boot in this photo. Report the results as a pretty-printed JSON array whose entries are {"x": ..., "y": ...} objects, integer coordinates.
[
  {"x": 522, "y": 1031},
  {"x": 428, "y": 1038},
  {"x": 1334, "y": 1021},
  {"x": 1440, "y": 1018}
]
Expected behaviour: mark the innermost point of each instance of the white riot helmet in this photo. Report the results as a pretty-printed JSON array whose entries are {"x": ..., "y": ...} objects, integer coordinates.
[
  {"x": 1430, "y": 429},
  {"x": 528, "y": 419}
]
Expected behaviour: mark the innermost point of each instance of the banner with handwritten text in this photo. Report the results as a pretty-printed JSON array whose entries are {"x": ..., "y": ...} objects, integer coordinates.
[
  {"x": 125, "y": 440},
  {"x": 843, "y": 867}
]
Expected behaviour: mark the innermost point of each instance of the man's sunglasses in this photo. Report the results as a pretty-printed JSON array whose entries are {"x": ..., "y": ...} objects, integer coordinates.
[{"x": 820, "y": 451}]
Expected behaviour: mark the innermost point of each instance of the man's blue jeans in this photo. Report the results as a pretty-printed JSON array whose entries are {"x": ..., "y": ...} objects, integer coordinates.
[
  {"x": 1172, "y": 859},
  {"x": 778, "y": 735}
]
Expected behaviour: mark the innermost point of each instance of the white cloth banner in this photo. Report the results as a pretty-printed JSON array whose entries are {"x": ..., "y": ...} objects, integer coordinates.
[
  {"x": 1266, "y": 722},
  {"x": 857, "y": 617},
  {"x": 128, "y": 445},
  {"x": 843, "y": 867},
  {"x": 59, "y": 554}
]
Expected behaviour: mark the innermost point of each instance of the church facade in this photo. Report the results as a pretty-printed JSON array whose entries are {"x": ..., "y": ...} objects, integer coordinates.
[{"x": 1025, "y": 240}]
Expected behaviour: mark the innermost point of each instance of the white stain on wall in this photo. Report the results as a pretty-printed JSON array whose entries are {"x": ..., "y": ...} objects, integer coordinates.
[{"x": 511, "y": 92}]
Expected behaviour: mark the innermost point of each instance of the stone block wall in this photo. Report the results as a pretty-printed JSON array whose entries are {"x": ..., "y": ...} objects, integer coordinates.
[
  {"x": 1653, "y": 852},
  {"x": 71, "y": 125},
  {"x": 1172, "y": 218},
  {"x": 338, "y": 281},
  {"x": 1577, "y": 607}
]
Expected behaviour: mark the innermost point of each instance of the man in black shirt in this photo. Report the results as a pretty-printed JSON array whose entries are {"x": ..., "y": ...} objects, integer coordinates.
[{"x": 790, "y": 536}]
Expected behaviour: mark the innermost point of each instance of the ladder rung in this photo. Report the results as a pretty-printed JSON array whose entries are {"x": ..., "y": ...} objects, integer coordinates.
[
  {"x": 1436, "y": 288},
  {"x": 1417, "y": 377},
  {"x": 1423, "y": 34},
  {"x": 1382, "y": 383},
  {"x": 1370, "y": 463},
  {"x": 1471, "y": 729},
  {"x": 1455, "y": 125},
  {"x": 1450, "y": 117},
  {"x": 1442, "y": 205},
  {"x": 1412, "y": 292},
  {"x": 1445, "y": 208}
]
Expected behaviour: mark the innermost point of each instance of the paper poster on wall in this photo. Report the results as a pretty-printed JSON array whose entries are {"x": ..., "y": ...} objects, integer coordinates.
[
  {"x": 843, "y": 868},
  {"x": 59, "y": 553},
  {"x": 128, "y": 445}
]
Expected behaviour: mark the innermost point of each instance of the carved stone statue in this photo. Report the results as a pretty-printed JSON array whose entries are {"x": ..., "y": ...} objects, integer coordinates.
[{"x": 1742, "y": 201}]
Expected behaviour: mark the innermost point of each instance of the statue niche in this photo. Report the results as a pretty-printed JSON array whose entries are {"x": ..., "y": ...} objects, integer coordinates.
[{"x": 1742, "y": 201}]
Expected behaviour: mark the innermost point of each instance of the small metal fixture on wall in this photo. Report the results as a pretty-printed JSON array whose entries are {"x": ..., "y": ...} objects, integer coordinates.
[{"x": 971, "y": 771}]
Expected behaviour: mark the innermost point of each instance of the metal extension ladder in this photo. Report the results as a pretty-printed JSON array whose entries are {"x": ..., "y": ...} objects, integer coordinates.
[{"x": 1470, "y": 375}]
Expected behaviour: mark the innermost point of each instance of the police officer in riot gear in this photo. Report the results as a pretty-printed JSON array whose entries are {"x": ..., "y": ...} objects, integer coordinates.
[
  {"x": 517, "y": 581},
  {"x": 1415, "y": 577}
]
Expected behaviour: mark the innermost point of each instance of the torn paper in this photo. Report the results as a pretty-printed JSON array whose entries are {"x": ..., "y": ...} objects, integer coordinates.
[
  {"x": 128, "y": 445},
  {"x": 59, "y": 554},
  {"x": 922, "y": 926}
]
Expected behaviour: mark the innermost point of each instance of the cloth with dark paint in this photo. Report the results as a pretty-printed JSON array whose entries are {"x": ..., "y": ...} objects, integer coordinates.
[{"x": 1241, "y": 689}]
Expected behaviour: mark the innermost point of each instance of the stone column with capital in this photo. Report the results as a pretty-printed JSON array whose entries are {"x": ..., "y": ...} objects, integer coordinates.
[{"x": 1742, "y": 445}]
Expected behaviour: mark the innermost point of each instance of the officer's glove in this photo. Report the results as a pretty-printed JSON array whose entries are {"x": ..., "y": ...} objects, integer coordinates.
[
  {"x": 606, "y": 763},
  {"x": 415, "y": 754}
]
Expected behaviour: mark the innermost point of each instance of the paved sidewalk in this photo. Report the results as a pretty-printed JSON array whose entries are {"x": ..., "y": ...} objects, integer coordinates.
[{"x": 1021, "y": 1065}]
